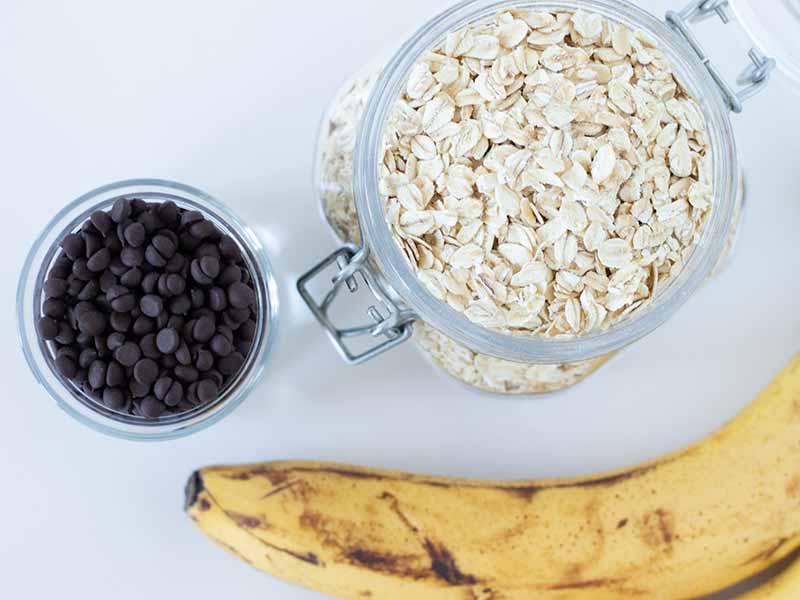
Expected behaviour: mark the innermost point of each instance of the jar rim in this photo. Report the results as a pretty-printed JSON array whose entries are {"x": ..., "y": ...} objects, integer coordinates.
[
  {"x": 28, "y": 306},
  {"x": 399, "y": 274}
]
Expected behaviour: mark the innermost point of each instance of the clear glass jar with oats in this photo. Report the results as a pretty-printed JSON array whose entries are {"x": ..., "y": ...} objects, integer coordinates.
[{"x": 528, "y": 187}]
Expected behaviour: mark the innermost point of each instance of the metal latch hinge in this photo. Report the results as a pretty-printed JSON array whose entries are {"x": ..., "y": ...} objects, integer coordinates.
[
  {"x": 390, "y": 321},
  {"x": 753, "y": 78}
]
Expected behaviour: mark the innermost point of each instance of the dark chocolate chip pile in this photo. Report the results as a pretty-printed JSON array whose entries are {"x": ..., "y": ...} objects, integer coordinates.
[{"x": 150, "y": 309}]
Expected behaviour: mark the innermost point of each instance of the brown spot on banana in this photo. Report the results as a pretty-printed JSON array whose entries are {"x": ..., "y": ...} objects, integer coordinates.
[
  {"x": 282, "y": 488},
  {"x": 658, "y": 530},
  {"x": 384, "y": 562},
  {"x": 444, "y": 565},
  {"x": 395, "y": 505},
  {"x": 768, "y": 553},
  {"x": 245, "y": 521},
  {"x": 590, "y": 583},
  {"x": 793, "y": 487}
]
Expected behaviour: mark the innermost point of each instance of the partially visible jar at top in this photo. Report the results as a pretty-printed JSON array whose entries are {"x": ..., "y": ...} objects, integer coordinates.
[{"x": 546, "y": 171}]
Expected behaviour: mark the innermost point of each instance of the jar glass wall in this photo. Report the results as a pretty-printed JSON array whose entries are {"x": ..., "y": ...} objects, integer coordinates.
[{"x": 346, "y": 176}]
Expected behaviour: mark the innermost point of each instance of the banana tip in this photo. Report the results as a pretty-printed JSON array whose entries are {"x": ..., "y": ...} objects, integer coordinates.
[{"x": 193, "y": 489}]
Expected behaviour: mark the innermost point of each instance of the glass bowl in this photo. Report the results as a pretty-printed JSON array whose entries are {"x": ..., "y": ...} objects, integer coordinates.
[{"x": 68, "y": 396}]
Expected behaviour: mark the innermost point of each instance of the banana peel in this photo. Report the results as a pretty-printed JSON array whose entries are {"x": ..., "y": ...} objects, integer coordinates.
[
  {"x": 682, "y": 526},
  {"x": 784, "y": 586}
]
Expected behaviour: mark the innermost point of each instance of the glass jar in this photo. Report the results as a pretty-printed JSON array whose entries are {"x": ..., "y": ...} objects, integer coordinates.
[
  {"x": 346, "y": 175},
  {"x": 71, "y": 398}
]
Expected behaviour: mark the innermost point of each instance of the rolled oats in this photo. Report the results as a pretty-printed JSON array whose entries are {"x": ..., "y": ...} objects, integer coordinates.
[
  {"x": 546, "y": 174},
  {"x": 578, "y": 154}
]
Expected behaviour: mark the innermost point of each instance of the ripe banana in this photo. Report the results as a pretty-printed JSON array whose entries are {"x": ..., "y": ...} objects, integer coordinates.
[
  {"x": 680, "y": 527},
  {"x": 785, "y": 586}
]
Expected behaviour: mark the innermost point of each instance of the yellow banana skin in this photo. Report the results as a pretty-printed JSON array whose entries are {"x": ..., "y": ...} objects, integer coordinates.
[
  {"x": 785, "y": 586},
  {"x": 679, "y": 527}
]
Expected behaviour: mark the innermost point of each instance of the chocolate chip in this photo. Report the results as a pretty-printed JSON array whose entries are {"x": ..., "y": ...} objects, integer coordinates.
[
  {"x": 174, "y": 395},
  {"x": 168, "y": 341},
  {"x": 153, "y": 257},
  {"x": 115, "y": 340},
  {"x": 132, "y": 257},
  {"x": 169, "y": 213},
  {"x": 113, "y": 243},
  {"x": 230, "y": 274},
  {"x": 150, "y": 220},
  {"x": 191, "y": 394},
  {"x": 54, "y": 308},
  {"x": 215, "y": 376},
  {"x": 204, "y": 329},
  {"x": 175, "y": 284},
  {"x": 151, "y": 408},
  {"x": 128, "y": 354},
  {"x": 150, "y": 282},
  {"x": 230, "y": 365},
  {"x": 114, "y": 398},
  {"x": 198, "y": 298},
  {"x": 204, "y": 361},
  {"x": 98, "y": 371},
  {"x": 198, "y": 275},
  {"x": 243, "y": 346},
  {"x": 151, "y": 305},
  {"x": 183, "y": 355},
  {"x": 180, "y": 305},
  {"x": 217, "y": 299},
  {"x": 207, "y": 390},
  {"x": 121, "y": 210},
  {"x": 202, "y": 229},
  {"x": 73, "y": 246},
  {"x": 115, "y": 375},
  {"x": 107, "y": 280},
  {"x": 186, "y": 374},
  {"x": 102, "y": 221},
  {"x": 99, "y": 261},
  {"x": 55, "y": 288},
  {"x": 229, "y": 248},
  {"x": 124, "y": 303},
  {"x": 117, "y": 267},
  {"x": 132, "y": 277},
  {"x": 135, "y": 235},
  {"x": 120, "y": 321},
  {"x": 67, "y": 366},
  {"x": 220, "y": 345},
  {"x": 210, "y": 266},
  {"x": 149, "y": 347},
  {"x": 161, "y": 387},
  {"x": 146, "y": 371},
  {"x": 241, "y": 295},
  {"x": 189, "y": 217},
  {"x": 87, "y": 357},
  {"x": 175, "y": 264},
  {"x": 143, "y": 325},
  {"x": 48, "y": 328},
  {"x": 90, "y": 291},
  {"x": 165, "y": 245},
  {"x": 92, "y": 322},
  {"x": 138, "y": 389},
  {"x": 248, "y": 330}
]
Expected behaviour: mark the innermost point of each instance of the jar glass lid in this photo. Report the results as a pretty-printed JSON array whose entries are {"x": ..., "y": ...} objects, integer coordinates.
[{"x": 775, "y": 28}]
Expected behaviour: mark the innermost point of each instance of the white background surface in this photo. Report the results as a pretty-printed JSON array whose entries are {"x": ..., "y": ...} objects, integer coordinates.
[{"x": 226, "y": 96}]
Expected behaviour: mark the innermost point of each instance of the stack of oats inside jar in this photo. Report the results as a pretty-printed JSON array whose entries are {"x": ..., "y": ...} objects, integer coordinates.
[{"x": 545, "y": 174}]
